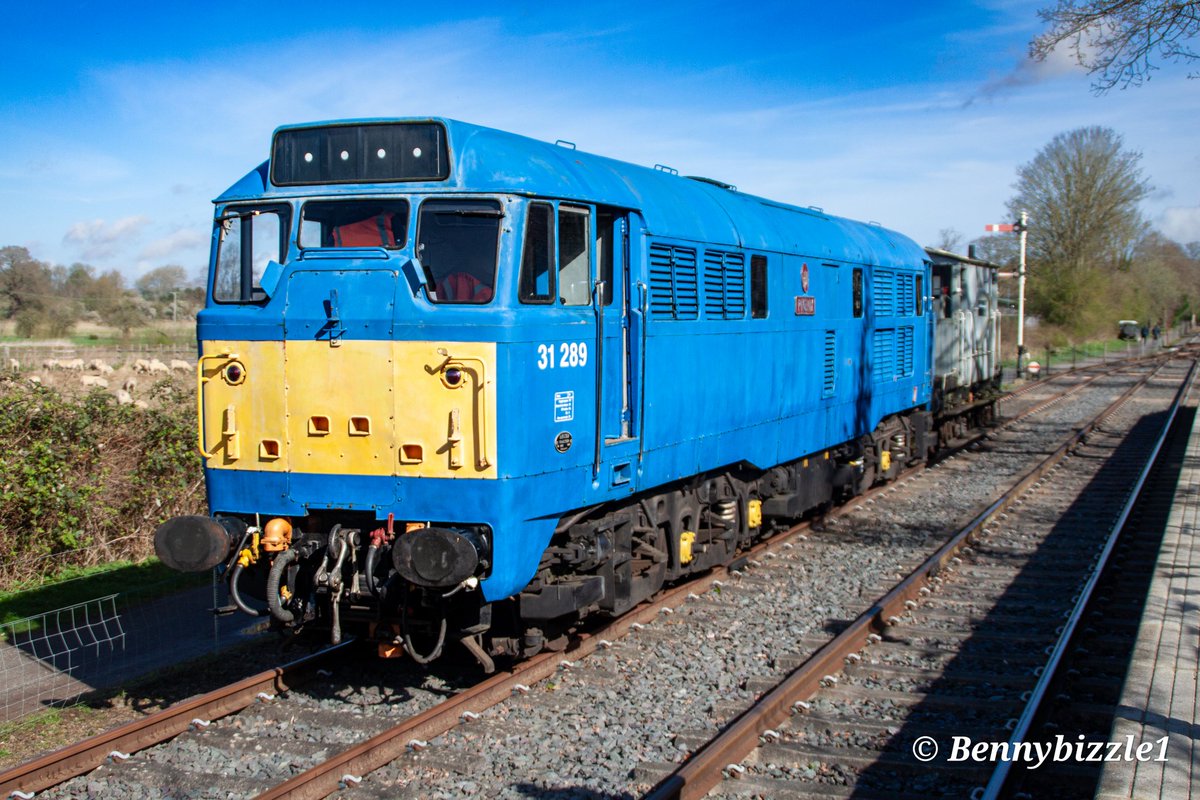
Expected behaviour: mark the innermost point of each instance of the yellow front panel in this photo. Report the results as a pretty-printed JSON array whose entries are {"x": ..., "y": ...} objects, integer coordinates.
[
  {"x": 419, "y": 409},
  {"x": 452, "y": 425},
  {"x": 326, "y": 386},
  {"x": 256, "y": 403}
]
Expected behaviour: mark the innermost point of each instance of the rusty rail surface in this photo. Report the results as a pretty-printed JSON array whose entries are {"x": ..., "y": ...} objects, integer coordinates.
[
  {"x": 703, "y": 769},
  {"x": 374, "y": 753},
  {"x": 1001, "y": 773},
  {"x": 82, "y": 757},
  {"x": 325, "y": 778}
]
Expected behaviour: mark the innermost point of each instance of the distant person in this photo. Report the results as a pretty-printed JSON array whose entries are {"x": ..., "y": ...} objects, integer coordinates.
[
  {"x": 1157, "y": 331},
  {"x": 1145, "y": 334}
]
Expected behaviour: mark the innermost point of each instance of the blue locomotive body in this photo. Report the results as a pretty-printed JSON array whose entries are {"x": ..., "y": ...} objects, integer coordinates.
[{"x": 485, "y": 384}]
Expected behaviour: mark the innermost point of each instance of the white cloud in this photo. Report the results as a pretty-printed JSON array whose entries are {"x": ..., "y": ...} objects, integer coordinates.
[
  {"x": 916, "y": 158},
  {"x": 100, "y": 239},
  {"x": 1181, "y": 224},
  {"x": 170, "y": 247},
  {"x": 1060, "y": 63}
]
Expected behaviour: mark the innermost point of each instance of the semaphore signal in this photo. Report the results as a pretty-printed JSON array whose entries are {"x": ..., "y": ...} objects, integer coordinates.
[{"x": 1021, "y": 226}]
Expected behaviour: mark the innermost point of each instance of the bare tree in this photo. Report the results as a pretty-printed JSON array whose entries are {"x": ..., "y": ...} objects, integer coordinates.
[
  {"x": 27, "y": 295},
  {"x": 1166, "y": 278},
  {"x": 1082, "y": 192},
  {"x": 161, "y": 281},
  {"x": 949, "y": 240},
  {"x": 998, "y": 248},
  {"x": 1115, "y": 39}
]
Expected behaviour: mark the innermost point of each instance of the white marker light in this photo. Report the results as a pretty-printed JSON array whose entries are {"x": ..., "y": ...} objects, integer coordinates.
[
  {"x": 345, "y": 155},
  {"x": 308, "y": 157},
  {"x": 381, "y": 153},
  {"x": 416, "y": 152}
]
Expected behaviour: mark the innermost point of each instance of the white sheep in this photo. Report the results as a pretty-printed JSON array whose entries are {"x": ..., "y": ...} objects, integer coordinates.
[
  {"x": 182, "y": 366},
  {"x": 105, "y": 369},
  {"x": 50, "y": 363},
  {"x": 124, "y": 398},
  {"x": 141, "y": 365},
  {"x": 94, "y": 380},
  {"x": 75, "y": 364},
  {"x": 35, "y": 380},
  {"x": 130, "y": 384},
  {"x": 157, "y": 366},
  {"x": 142, "y": 404}
]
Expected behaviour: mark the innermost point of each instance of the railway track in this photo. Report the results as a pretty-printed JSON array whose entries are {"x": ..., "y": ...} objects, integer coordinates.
[
  {"x": 1083, "y": 700},
  {"x": 957, "y": 648},
  {"x": 337, "y": 756}
]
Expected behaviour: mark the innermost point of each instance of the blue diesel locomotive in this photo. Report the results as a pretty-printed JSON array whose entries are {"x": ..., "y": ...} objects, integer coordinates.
[{"x": 455, "y": 384}]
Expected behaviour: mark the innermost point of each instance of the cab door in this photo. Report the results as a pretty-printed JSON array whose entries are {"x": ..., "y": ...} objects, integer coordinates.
[
  {"x": 576, "y": 266},
  {"x": 617, "y": 347},
  {"x": 338, "y": 384}
]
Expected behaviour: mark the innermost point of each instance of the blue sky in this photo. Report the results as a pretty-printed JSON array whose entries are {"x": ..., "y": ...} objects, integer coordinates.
[{"x": 120, "y": 123}]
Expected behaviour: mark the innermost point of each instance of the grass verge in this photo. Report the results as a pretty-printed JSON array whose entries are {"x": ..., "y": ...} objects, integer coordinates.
[{"x": 139, "y": 582}]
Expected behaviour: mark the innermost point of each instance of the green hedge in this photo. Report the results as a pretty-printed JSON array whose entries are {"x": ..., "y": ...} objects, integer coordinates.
[{"x": 84, "y": 481}]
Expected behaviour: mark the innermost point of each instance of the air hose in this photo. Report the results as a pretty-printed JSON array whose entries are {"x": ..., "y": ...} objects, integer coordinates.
[
  {"x": 236, "y": 596},
  {"x": 274, "y": 578},
  {"x": 369, "y": 570},
  {"x": 408, "y": 645}
]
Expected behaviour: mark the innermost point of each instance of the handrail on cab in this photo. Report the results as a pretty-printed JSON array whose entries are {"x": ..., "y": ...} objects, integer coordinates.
[
  {"x": 478, "y": 401},
  {"x": 201, "y": 379}
]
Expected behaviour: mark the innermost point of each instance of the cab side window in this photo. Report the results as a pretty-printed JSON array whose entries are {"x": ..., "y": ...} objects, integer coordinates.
[
  {"x": 537, "y": 283},
  {"x": 567, "y": 280},
  {"x": 249, "y": 238},
  {"x": 574, "y": 262}
]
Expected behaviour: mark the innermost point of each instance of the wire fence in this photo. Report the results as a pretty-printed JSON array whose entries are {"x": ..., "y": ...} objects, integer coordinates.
[
  {"x": 1040, "y": 362},
  {"x": 43, "y": 659},
  {"x": 30, "y": 356},
  {"x": 56, "y": 657}
]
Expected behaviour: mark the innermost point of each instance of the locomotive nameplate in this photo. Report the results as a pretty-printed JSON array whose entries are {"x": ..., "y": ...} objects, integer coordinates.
[
  {"x": 806, "y": 306},
  {"x": 562, "y": 442}
]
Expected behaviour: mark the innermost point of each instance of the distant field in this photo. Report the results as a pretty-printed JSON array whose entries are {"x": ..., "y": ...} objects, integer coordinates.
[{"x": 91, "y": 334}]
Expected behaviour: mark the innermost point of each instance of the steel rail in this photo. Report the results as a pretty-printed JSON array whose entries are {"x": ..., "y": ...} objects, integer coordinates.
[
  {"x": 1103, "y": 367},
  {"x": 354, "y": 762},
  {"x": 84, "y": 756},
  {"x": 81, "y": 757},
  {"x": 1003, "y": 768},
  {"x": 1049, "y": 401},
  {"x": 351, "y": 764},
  {"x": 703, "y": 769},
  {"x": 358, "y": 760}
]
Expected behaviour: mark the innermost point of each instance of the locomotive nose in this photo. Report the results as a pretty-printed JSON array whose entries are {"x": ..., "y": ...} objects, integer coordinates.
[{"x": 436, "y": 557}]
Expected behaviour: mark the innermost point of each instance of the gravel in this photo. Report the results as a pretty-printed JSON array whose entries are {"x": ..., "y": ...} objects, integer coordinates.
[{"x": 605, "y": 727}]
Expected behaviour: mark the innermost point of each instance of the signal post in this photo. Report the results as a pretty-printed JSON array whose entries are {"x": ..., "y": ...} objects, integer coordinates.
[{"x": 1021, "y": 227}]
